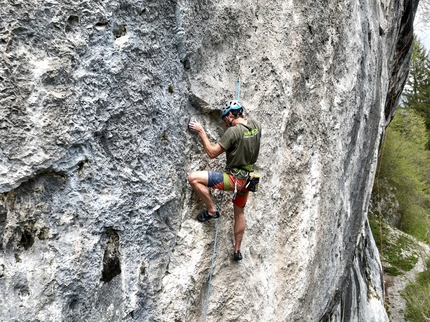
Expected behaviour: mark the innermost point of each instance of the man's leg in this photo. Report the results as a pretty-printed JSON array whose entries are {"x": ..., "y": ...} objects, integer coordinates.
[
  {"x": 199, "y": 181},
  {"x": 239, "y": 226}
]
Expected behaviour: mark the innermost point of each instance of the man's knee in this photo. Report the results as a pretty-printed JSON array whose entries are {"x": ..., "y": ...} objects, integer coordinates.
[
  {"x": 197, "y": 177},
  {"x": 191, "y": 177}
]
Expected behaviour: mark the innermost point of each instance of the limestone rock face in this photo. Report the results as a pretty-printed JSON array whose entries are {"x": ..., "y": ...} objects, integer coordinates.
[{"x": 97, "y": 219}]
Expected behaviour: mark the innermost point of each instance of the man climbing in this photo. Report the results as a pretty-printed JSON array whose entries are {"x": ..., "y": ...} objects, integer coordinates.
[{"x": 241, "y": 142}]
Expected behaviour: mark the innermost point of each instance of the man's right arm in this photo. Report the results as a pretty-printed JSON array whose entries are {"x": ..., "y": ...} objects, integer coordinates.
[{"x": 212, "y": 150}]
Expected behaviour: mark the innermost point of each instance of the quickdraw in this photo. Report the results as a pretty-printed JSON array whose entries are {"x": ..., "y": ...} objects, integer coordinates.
[
  {"x": 238, "y": 82},
  {"x": 238, "y": 172}
]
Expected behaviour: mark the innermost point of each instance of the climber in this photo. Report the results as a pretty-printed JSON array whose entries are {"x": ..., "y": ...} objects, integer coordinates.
[{"x": 241, "y": 142}]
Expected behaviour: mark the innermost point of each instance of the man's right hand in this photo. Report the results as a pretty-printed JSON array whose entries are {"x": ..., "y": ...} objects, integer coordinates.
[
  {"x": 195, "y": 127},
  {"x": 212, "y": 150}
]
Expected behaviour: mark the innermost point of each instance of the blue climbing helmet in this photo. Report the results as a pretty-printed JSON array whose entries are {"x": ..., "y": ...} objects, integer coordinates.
[{"x": 230, "y": 106}]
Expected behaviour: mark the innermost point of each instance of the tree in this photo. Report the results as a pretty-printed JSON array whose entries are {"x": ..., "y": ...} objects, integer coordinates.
[
  {"x": 417, "y": 89},
  {"x": 424, "y": 13}
]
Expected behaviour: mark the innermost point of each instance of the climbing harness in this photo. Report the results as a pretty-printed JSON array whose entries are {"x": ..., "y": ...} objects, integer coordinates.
[
  {"x": 248, "y": 173},
  {"x": 213, "y": 260},
  {"x": 235, "y": 188},
  {"x": 240, "y": 173}
]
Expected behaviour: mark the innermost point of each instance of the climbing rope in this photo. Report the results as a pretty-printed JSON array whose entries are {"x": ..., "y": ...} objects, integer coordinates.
[
  {"x": 213, "y": 260},
  {"x": 219, "y": 209}
]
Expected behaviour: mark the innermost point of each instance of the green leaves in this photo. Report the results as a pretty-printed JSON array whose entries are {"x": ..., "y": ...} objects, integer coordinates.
[
  {"x": 417, "y": 90},
  {"x": 417, "y": 296},
  {"x": 405, "y": 164}
]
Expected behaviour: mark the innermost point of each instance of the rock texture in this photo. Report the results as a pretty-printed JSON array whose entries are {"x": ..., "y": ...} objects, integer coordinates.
[{"x": 96, "y": 216}]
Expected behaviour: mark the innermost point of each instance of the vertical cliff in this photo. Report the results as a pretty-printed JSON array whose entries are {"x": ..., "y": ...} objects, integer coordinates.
[{"x": 97, "y": 220}]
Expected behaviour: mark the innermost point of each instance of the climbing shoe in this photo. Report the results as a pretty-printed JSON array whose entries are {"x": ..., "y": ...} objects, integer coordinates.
[
  {"x": 237, "y": 256},
  {"x": 204, "y": 216}
]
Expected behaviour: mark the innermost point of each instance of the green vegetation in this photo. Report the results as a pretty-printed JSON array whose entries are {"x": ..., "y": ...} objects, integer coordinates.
[
  {"x": 417, "y": 297},
  {"x": 417, "y": 90},
  {"x": 403, "y": 177},
  {"x": 397, "y": 250},
  {"x": 405, "y": 165}
]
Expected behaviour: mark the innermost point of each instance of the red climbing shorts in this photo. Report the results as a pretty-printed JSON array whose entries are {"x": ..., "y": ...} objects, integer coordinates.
[{"x": 226, "y": 181}]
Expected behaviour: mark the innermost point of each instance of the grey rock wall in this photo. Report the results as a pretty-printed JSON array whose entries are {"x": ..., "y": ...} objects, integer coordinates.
[{"x": 96, "y": 215}]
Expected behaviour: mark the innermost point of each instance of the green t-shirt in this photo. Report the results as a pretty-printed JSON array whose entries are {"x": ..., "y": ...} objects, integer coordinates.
[{"x": 242, "y": 143}]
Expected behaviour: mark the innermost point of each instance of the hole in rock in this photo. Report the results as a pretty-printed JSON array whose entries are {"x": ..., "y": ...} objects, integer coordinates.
[
  {"x": 101, "y": 25},
  {"x": 186, "y": 62},
  {"x": 111, "y": 259},
  {"x": 120, "y": 31},
  {"x": 82, "y": 164},
  {"x": 44, "y": 233},
  {"x": 71, "y": 22},
  {"x": 27, "y": 238},
  {"x": 143, "y": 269},
  {"x": 73, "y": 303}
]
